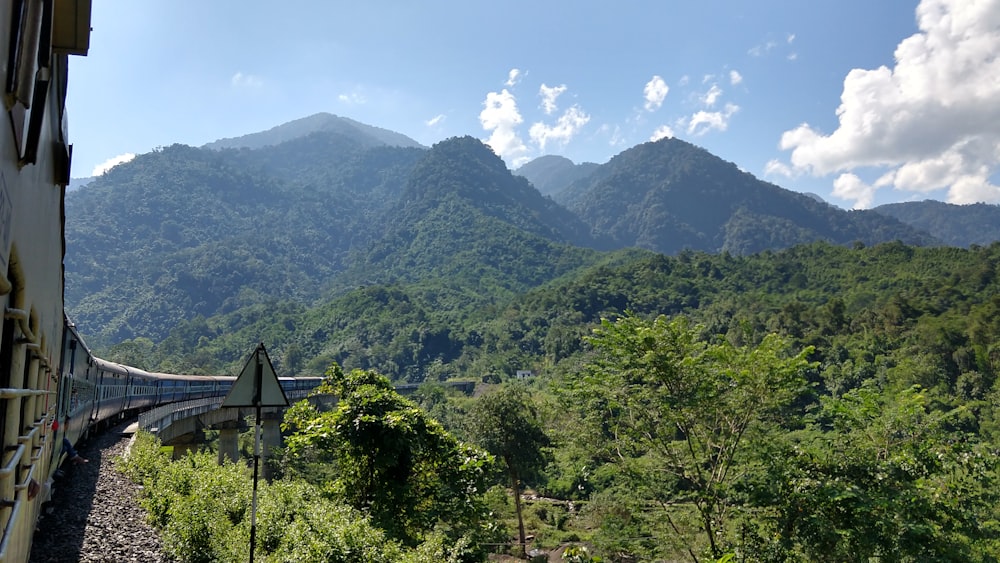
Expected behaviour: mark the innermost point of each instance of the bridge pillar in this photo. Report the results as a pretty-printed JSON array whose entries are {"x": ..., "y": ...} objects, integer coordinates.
[
  {"x": 270, "y": 438},
  {"x": 188, "y": 443},
  {"x": 229, "y": 441}
]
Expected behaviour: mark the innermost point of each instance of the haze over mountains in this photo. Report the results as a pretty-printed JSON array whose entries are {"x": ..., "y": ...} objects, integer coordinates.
[{"x": 325, "y": 204}]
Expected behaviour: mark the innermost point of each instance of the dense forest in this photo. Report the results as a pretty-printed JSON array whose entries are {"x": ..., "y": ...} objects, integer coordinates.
[
  {"x": 716, "y": 369},
  {"x": 821, "y": 403}
]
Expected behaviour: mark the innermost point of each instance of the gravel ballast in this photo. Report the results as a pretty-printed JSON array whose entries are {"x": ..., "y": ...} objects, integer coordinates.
[{"x": 93, "y": 515}]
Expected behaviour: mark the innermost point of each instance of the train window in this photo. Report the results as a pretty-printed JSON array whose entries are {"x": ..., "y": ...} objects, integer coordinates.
[
  {"x": 6, "y": 363},
  {"x": 28, "y": 72}
]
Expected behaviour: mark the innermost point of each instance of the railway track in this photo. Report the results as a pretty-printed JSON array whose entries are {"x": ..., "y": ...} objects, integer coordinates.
[{"x": 93, "y": 516}]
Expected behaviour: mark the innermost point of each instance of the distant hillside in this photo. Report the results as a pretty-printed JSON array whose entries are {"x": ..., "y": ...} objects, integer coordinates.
[
  {"x": 954, "y": 225},
  {"x": 670, "y": 195},
  {"x": 185, "y": 233},
  {"x": 551, "y": 174},
  {"x": 77, "y": 183},
  {"x": 320, "y": 122},
  {"x": 463, "y": 215}
]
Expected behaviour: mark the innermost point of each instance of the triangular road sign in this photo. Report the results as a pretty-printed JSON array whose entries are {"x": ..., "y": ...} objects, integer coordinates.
[{"x": 257, "y": 385}]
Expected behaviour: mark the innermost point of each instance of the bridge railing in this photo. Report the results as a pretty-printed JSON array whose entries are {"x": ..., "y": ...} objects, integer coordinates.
[
  {"x": 163, "y": 416},
  {"x": 156, "y": 420}
]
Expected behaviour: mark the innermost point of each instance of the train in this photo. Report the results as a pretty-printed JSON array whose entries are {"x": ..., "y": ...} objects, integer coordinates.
[
  {"x": 53, "y": 389},
  {"x": 94, "y": 393}
]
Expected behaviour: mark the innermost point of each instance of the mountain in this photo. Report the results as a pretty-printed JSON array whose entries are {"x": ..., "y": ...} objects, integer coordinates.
[
  {"x": 551, "y": 174},
  {"x": 320, "y": 122},
  {"x": 954, "y": 225},
  {"x": 463, "y": 215},
  {"x": 185, "y": 233},
  {"x": 77, "y": 183},
  {"x": 670, "y": 195}
]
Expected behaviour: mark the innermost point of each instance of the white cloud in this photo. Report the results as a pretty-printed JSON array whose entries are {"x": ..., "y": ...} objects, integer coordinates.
[
  {"x": 549, "y": 95},
  {"x": 353, "y": 98},
  {"x": 111, "y": 163},
  {"x": 241, "y": 80},
  {"x": 704, "y": 121},
  {"x": 512, "y": 77},
  {"x": 655, "y": 92},
  {"x": 850, "y": 187},
  {"x": 712, "y": 95},
  {"x": 735, "y": 77},
  {"x": 435, "y": 120},
  {"x": 567, "y": 126},
  {"x": 662, "y": 132},
  {"x": 501, "y": 116},
  {"x": 930, "y": 121},
  {"x": 775, "y": 167},
  {"x": 790, "y": 38}
]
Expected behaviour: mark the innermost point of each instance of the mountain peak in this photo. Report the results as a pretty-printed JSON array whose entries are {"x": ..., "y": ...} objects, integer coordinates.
[{"x": 319, "y": 122}]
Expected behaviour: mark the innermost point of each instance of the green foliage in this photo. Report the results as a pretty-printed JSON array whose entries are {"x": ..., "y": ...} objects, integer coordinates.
[
  {"x": 505, "y": 423},
  {"x": 879, "y": 476},
  {"x": 203, "y": 510},
  {"x": 393, "y": 462},
  {"x": 677, "y": 406}
]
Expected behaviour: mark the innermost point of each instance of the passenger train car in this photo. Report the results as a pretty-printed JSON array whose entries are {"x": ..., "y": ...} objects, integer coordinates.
[
  {"x": 38, "y": 38},
  {"x": 51, "y": 386},
  {"x": 94, "y": 392}
]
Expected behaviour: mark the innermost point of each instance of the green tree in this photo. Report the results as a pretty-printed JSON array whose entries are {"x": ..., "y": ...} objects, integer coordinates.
[
  {"x": 878, "y": 476},
  {"x": 677, "y": 408},
  {"x": 505, "y": 423},
  {"x": 392, "y": 461}
]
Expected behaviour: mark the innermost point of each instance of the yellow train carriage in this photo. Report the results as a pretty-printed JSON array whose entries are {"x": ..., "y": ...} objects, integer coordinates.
[{"x": 37, "y": 38}]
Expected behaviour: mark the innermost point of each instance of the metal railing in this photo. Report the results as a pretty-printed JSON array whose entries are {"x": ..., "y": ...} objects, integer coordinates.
[{"x": 156, "y": 420}]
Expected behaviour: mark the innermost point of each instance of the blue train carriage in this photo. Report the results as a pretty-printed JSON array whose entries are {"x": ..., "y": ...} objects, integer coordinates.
[
  {"x": 297, "y": 388},
  {"x": 37, "y": 38},
  {"x": 77, "y": 387}
]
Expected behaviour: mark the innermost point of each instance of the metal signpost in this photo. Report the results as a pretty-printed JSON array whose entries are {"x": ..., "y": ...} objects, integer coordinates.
[{"x": 257, "y": 386}]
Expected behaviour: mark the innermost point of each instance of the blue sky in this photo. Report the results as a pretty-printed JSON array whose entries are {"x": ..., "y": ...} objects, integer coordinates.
[{"x": 861, "y": 102}]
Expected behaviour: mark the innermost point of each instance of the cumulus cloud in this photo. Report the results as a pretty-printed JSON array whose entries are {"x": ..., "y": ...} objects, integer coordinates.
[
  {"x": 735, "y": 77},
  {"x": 775, "y": 167},
  {"x": 565, "y": 128},
  {"x": 655, "y": 92},
  {"x": 512, "y": 77},
  {"x": 712, "y": 95},
  {"x": 549, "y": 95},
  {"x": 662, "y": 132},
  {"x": 929, "y": 122},
  {"x": 849, "y": 186},
  {"x": 435, "y": 120},
  {"x": 111, "y": 163},
  {"x": 501, "y": 116},
  {"x": 704, "y": 121}
]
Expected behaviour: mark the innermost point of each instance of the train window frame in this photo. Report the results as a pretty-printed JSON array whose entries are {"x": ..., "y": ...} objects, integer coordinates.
[{"x": 28, "y": 73}]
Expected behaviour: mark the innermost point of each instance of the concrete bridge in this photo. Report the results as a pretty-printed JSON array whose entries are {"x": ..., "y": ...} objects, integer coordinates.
[{"x": 182, "y": 424}]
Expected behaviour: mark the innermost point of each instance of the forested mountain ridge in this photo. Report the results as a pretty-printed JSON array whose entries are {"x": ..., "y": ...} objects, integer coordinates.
[
  {"x": 464, "y": 217},
  {"x": 551, "y": 173},
  {"x": 320, "y": 122},
  {"x": 183, "y": 231},
  {"x": 669, "y": 195},
  {"x": 956, "y": 225}
]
